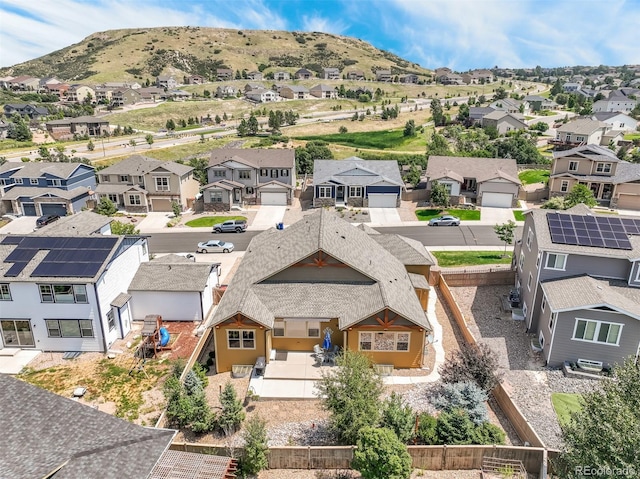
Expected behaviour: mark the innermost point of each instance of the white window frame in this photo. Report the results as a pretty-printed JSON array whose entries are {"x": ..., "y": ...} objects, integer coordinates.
[
  {"x": 552, "y": 320},
  {"x": 529, "y": 238},
  {"x": 85, "y": 328},
  {"x": 264, "y": 172},
  {"x": 286, "y": 328},
  {"x": 638, "y": 272},
  {"x": 521, "y": 260},
  {"x": 564, "y": 186},
  {"x": 134, "y": 199},
  {"x": 123, "y": 178},
  {"x": 602, "y": 167},
  {"x": 5, "y": 292},
  {"x": 220, "y": 173},
  {"x": 324, "y": 192},
  {"x": 529, "y": 281},
  {"x": 574, "y": 163},
  {"x": 541, "y": 338},
  {"x": 241, "y": 338},
  {"x": 33, "y": 181},
  {"x": 274, "y": 173},
  {"x": 357, "y": 190},
  {"x": 112, "y": 197},
  {"x": 543, "y": 303},
  {"x": 18, "y": 181},
  {"x": 524, "y": 309},
  {"x": 56, "y": 182},
  {"x": 395, "y": 341},
  {"x": 538, "y": 258},
  {"x": 111, "y": 320},
  {"x": 555, "y": 263},
  {"x": 284, "y": 173},
  {"x": 244, "y": 174},
  {"x": 78, "y": 291},
  {"x": 162, "y": 183},
  {"x": 596, "y": 331},
  {"x": 215, "y": 196}
]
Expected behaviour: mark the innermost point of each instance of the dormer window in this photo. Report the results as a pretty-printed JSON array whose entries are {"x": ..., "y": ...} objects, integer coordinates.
[
  {"x": 603, "y": 167},
  {"x": 573, "y": 166}
]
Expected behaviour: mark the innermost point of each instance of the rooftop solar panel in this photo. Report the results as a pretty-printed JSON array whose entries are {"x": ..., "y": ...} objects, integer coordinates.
[
  {"x": 593, "y": 231},
  {"x": 16, "y": 269}
]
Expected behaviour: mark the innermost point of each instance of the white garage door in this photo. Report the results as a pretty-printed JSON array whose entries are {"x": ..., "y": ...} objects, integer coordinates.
[
  {"x": 277, "y": 199},
  {"x": 382, "y": 200},
  {"x": 629, "y": 202},
  {"x": 497, "y": 200}
]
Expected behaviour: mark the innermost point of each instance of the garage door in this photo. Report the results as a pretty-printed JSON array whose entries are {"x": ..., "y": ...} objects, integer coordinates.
[
  {"x": 53, "y": 209},
  {"x": 629, "y": 202},
  {"x": 28, "y": 209},
  {"x": 271, "y": 198},
  {"x": 382, "y": 200},
  {"x": 497, "y": 200},
  {"x": 161, "y": 205}
]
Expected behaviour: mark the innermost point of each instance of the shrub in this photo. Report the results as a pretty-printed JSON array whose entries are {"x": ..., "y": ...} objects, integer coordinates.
[
  {"x": 398, "y": 416},
  {"x": 254, "y": 458},
  {"x": 381, "y": 455},
  {"x": 232, "y": 414},
  {"x": 455, "y": 427},
  {"x": 192, "y": 383},
  {"x": 477, "y": 363},
  {"x": 555, "y": 203},
  {"x": 487, "y": 433},
  {"x": 201, "y": 372},
  {"x": 466, "y": 396},
  {"x": 426, "y": 433},
  {"x": 106, "y": 207}
]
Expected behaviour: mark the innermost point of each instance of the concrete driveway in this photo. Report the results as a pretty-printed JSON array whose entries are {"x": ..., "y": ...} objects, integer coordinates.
[
  {"x": 19, "y": 226},
  {"x": 384, "y": 216},
  {"x": 154, "y": 222},
  {"x": 493, "y": 216},
  {"x": 268, "y": 216}
]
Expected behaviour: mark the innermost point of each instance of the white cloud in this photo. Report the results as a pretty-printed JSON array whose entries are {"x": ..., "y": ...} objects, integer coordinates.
[{"x": 317, "y": 23}]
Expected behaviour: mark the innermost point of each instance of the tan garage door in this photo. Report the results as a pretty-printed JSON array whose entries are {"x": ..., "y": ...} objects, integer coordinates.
[
  {"x": 629, "y": 202},
  {"x": 161, "y": 205}
]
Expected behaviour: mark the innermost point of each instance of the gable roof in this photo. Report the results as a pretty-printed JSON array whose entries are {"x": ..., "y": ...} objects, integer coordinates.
[
  {"x": 36, "y": 169},
  {"x": 16, "y": 192},
  {"x": 253, "y": 295},
  {"x": 169, "y": 275},
  {"x": 81, "y": 224},
  {"x": 482, "y": 169},
  {"x": 356, "y": 171},
  {"x": 595, "y": 152},
  {"x": 255, "y": 157},
  {"x": 407, "y": 250},
  {"x": 583, "y": 126},
  {"x": 138, "y": 165},
  {"x": 43, "y": 433}
]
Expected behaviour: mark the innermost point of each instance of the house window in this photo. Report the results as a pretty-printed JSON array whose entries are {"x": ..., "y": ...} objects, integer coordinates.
[
  {"x": 529, "y": 238},
  {"x": 5, "y": 292},
  {"x": 216, "y": 196},
  {"x": 241, "y": 339},
  {"x": 541, "y": 339},
  {"x": 69, "y": 328},
  {"x": 33, "y": 181},
  {"x": 543, "y": 304},
  {"x": 324, "y": 192},
  {"x": 539, "y": 257},
  {"x": 4, "y": 181},
  {"x": 124, "y": 178},
  {"x": 529, "y": 281},
  {"x": 135, "y": 200},
  {"x": 551, "y": 321},
  {"x": 249, "y": 190},
  {"x": 274, "y": 173},
  {"x": 56, "y": 182},
  {"x": 447, "y": 187},
  {"x": 384, "y": 341},
  {"x": 296, "y": 329},
  {"x": 603, "y": 167},
  {"x": 244, "y": 174},
  {"x": 521, "y": 261},
  {"x": 564, "y": 186},
  {"x": 111, "y": 320},
  {"x": 524, "y": 310},
  {"x": 18, "y": 181},
  {"x": 219, "y": 173},
  {"x": 284, "y": 173},
  {"x": 162, "y": 183},
  {"x": 573, "y": 166},
  {"x": 597, "y": 331},
  {"x": 278, "y": 329},
  {"x": 113, "y": 198},
  {"x": 580, "y": 139},
  {"x": 264, "y": 172},
  {"x": 556, "y": 261},
  {"x": 355, "y": 191},
  {"x": 638, "y": 273},
  {"x": 63, "y": 293}
]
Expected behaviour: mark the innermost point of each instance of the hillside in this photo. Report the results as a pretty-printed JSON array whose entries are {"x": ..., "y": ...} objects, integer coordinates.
[{"x": 140, "y": 54}]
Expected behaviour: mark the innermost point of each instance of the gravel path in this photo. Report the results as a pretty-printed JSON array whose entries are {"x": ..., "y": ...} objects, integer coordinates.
[{"x": 531, "y": 383}]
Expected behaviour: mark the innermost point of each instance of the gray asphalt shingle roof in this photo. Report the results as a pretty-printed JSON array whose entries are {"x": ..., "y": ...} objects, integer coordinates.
[
  {"x": 180, "y": 277},
  {"x": 582, "y": 126},
  {"x": 138, "y": 165},
  {"x": 252, "y": 292},
  {"x": 35, "y": 169},
  {"x": 255, "y": 157},
  {"x": 42, "y": 432},
  {"x": 482, "y": 169},
  {"x": 81, "y": 224},
  {"x": 407, "y": 250},
  {"x": 356, "y": 171},
  {"x": 33, "y": 192}
]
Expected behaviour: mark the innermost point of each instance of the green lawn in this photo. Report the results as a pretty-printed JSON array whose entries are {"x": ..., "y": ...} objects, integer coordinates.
[
  {"x": 379, "y": 140},
  {"x": 565, "y": 404},
  {"x": 209, "y": 221},
  {"x": 470, "y": 258},
  {"x": 632, "y": 136},
  {"x": 469, "y": 215},
  {"x": 529, "y": 177},
  {"x": 518, "y": 215}
]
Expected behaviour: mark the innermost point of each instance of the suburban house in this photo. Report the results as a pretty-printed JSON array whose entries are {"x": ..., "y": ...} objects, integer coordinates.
[
  {"x": 477, "y": 113},
  {"x": 504, "y": 122},
  {"x": 104, "y": 94},
  {"x": 226, "y": 91},
  {"x": 357, "y": 182},
  {"x": 82, "y": 441},
  {"x": 578, "y": 281},
  {"x": 616, "y": 120},
  {"x": 582, "y": 131},
  {"x": 450, "y": 79},
  {"x": 59, "y": 89},
  {"x": 485, "y": 181},
  {"x": 615, "y": 183},
  {"x": 323, "y": 91},
  {"x": 281, "y": 76},
  {"x": 24, "y": 83},
  {"x": 174, "y": 287},
  {"x": 79, "y": 94},
  {"x": 139, "y": 184},
  {"x": 294, "y": 92},
  {"x": 509, "y": 105},
  {"x": 68, "y": 128},
  {"x": 125, "y": 97},
  {"x": 152, "y": 93},
  {"x": 569, "y": 87},
  {"x": 224, "y": 74},
  {"x": 303, "y": 74},
  {"x": 409, "y": 78},
  {"x": 255, "y": 76},
  {"x": 194, "y": 80},
  {"x": 252, "y": 176},
  {"x": 616, "y": 101},
  {"x": 25, "y": 109},
  {"x": 384, "y": 75},
  {"x": 331, "y": 73},
  {"x": 261, "y": 95},
  {"x": 41, "y": 188},
  {"x": 355, "y": 75},
  {"x": 166, "y": 82},
  {"x": 62, "y": 293},
  {"x": 319, "y": 283}
]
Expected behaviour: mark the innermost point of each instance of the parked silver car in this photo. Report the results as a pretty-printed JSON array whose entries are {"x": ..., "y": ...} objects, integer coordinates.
[
  {"x": 446, "y": 220},
  {"x": 214, "y": 246}
]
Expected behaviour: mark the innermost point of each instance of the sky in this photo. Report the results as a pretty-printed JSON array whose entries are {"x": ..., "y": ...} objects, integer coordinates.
[{"x": 459, "y": 34}]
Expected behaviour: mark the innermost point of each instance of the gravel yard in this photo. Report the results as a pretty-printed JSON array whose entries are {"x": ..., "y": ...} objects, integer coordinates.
[
  {"x": 331, "y": 474},
  {"x": 531, "y": 383}
]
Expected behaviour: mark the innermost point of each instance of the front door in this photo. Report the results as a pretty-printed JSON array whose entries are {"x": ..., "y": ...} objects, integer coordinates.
[
  {"x": 340, "y": 193},
  {"x": 236, "y": 195},
  {"x": 16, "y": 333}
]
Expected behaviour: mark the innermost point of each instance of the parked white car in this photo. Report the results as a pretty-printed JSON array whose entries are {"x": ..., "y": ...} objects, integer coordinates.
[{"x": 215, "y": 246}]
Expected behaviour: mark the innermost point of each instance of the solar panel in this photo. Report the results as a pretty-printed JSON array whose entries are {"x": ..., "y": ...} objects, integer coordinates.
[
  {"x": 16, "y": 269},
  {"x": 21, "y": 254},
  {"x": 593, "y": 231}
]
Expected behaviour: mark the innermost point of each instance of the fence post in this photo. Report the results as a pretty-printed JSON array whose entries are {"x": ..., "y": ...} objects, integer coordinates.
[
  {"x": 308, "y": 457},
  {"x": 543, "y": 466},
  {"x": 443, "y": 466}
]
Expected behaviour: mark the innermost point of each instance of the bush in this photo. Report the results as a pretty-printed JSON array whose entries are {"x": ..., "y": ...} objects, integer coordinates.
[
  {"x": 555, "y": 203},
  {"x": 381, "y": 455},
  {"x": 426, "y": 433},
  {"x": 192, "y": 383},
  {"x": 106, "y": 207},
  {"x": 455, "y": 427},
  {"x": 466, "y": 396},
  {"x": 487, "y": 433},
  {"x": 201, "y": 372},
  {"x": 254, "y": 458},
  {"x": 232, "y": 414},
  {"x": 398, "y": 416},
  {"x": 477, "y": 363}
]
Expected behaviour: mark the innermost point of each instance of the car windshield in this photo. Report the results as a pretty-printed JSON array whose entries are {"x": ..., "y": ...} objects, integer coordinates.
[{"x": 221, "y": 243}]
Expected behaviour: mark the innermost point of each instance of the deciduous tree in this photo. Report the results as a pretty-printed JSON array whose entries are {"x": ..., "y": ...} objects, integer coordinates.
[{"x": 381, "y": 455}]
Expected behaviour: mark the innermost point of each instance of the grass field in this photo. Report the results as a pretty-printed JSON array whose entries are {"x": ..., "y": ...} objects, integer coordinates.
[
  {"x": 470, "y": 258},
  {"x": 518, "y": 215},
  {"x": 209, "y": 221},
  {"x": 632, "y": 136},
  {"x": 565, "y": 404},
  {"x": 379, "y": 140},
  {"x": 469, "y": 215},
  {"x": 529, "y": 177}
]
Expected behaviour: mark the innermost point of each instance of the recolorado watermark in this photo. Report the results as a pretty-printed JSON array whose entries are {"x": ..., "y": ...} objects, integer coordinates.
[{"x": 603, "y": 471}]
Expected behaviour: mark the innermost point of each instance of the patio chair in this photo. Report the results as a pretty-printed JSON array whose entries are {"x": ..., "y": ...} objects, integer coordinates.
[{"x": 317, "y": 349}]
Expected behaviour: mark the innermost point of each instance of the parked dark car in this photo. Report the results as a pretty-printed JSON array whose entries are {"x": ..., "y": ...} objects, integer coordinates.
[{"x": 46, "y": 220}]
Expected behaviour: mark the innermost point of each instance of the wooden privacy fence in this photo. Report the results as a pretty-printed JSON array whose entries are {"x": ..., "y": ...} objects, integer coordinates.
[{"x": 479, "y": 276}]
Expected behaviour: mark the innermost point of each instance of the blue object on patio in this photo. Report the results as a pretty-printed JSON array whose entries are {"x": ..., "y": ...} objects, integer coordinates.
[{"x": 326, "y": 344}]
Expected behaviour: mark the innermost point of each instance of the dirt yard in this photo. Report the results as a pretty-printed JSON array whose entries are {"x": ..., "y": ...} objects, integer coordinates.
[{"x": 331, "y": 474}]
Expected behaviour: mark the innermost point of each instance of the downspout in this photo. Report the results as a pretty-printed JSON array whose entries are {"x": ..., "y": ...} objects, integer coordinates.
[
  {"x": 202, "y": 318},
  {"x": 104, "y": 336}
]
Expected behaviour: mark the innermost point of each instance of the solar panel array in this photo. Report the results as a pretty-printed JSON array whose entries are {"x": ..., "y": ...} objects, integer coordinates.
[
  {"x": 66, "y": 257},
  {"x": 595, "y": 231}
]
